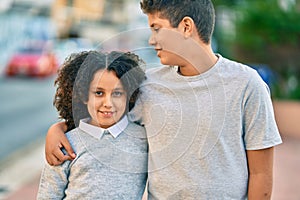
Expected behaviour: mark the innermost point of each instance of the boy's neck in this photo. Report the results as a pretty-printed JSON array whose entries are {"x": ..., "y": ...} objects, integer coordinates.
[
  {"x": 199, "y": 58},
  {"x": 198, "y": 65}
]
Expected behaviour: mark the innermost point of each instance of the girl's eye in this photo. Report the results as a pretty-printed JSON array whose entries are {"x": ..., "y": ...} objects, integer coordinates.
[
  {"x": 117, "y": 94},
  {"x": 98, "y": 93}
]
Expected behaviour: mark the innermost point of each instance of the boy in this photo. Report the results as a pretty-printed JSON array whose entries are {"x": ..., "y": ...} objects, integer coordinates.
[{"x": 209, "y": 121}]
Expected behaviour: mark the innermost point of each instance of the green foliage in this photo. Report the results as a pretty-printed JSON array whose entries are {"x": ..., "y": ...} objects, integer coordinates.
[
  {"x": 267, "y": 23},
  {"x": 266, "y": 32},
  {"x": 225, "y": 2}
]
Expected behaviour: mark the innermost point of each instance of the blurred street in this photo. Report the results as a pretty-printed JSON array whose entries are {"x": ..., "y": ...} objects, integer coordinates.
[{"x": 26, "y": 112}]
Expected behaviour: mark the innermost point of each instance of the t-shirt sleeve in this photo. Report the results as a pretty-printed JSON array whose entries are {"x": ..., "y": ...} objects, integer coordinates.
[{"x": 260, "y": 128}]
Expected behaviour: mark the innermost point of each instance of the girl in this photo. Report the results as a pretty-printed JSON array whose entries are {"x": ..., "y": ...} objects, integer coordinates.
[{"x": 94, "y": 93}]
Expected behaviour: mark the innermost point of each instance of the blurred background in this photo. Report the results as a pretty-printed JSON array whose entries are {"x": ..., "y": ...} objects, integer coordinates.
[{"x": 36, "y": 37}]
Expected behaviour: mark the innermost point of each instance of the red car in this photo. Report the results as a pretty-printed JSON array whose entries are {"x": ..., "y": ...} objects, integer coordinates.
[{"x": 33, "y": 60}]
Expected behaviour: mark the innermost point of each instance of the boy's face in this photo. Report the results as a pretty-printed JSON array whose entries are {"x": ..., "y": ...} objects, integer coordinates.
[
  {"x": 167, "y": 41},
  {"x": 107, "y": 99}
]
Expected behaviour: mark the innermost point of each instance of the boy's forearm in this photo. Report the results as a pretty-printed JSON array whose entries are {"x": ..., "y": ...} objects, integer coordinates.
[
  {"x": 260, "y": 163},
  {"x": 57, "y": 127},
  {"x": 260, "y": 187}
]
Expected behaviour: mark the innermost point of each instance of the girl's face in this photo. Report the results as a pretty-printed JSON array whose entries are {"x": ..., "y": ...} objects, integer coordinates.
[{"x": 107, "y": 99}]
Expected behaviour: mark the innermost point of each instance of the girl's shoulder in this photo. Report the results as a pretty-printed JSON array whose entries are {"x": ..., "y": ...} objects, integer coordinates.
[
  {"x": 135, "y": 127},
  {"x": 136, "y": 131},
  {"x": 73, "y": 137}
]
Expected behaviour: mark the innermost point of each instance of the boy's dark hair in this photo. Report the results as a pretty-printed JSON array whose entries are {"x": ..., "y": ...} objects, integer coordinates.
[
  {"x": 84, "y": 65},
  {"x": 201, "y": 11}
]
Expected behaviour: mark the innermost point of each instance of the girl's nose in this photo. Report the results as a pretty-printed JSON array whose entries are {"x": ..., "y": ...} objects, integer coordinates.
[{"x": 107, "y": 102}]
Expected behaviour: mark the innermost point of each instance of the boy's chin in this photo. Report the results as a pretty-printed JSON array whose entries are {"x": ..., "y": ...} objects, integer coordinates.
[
  {"x": 164, "y": 61},
  {"x": 167, "y": 63},
  {"x": 168, "y": 59}
]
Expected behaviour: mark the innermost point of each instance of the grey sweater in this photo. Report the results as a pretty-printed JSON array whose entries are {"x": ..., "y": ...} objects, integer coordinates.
[{"x": 105, "y": 167}]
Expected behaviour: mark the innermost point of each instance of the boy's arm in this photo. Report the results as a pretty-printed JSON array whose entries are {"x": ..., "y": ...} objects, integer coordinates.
[
  {"x": 55, "y": 140},
  {"x": 260, "y": 163}
]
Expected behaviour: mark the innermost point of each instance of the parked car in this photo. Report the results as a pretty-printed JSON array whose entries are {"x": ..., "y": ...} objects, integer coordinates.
[{"x": 35, "y": 59}]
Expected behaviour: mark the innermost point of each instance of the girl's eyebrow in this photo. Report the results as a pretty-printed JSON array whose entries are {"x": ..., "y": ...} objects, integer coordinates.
[
  {"x": 119, "y": 88},
  {"x": 100, "y": 88},
  {"x": 96, "y": 88}
]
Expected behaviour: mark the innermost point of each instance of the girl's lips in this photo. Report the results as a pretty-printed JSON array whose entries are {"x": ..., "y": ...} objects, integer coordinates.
[{"x": 107, "y": 114}]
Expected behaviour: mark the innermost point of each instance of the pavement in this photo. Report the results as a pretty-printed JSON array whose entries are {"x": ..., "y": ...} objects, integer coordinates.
[
  {"x": 19, "y": 176},
  {"x": 20, "y": 172}
]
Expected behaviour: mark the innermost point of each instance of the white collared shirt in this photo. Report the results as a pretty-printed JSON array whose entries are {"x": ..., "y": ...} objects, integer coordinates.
[{"x": 98, "y": 132}]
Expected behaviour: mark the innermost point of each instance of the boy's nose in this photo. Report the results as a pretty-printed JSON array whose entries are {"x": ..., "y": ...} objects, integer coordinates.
[{"x": 152, "y": 40}]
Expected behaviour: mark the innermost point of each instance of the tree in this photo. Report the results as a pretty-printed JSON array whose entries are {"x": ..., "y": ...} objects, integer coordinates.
[{"x": 267, "y": 32}]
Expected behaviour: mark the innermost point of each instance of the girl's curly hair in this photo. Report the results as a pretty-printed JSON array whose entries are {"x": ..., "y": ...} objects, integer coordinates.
[
  {"x": 64, "y": 83},
  {"x": 77, "y": 72}
]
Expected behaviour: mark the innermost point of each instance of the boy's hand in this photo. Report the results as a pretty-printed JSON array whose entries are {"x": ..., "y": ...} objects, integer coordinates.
[{"x": 55, "y": 140}]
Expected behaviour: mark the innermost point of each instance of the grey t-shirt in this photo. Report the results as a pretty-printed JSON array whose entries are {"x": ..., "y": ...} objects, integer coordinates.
[
  {"x": 200, "y": 127},
  {"x": 106, "y": 167}
]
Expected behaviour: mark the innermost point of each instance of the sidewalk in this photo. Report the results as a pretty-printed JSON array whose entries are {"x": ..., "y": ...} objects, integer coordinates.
[
  {"x": 20, "y": 173},
  {"x": 20, "y": 178},
  {"x": 287, "y": 170}
]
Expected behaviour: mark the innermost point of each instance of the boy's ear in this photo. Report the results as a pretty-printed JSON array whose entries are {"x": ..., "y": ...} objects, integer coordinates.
[{"x": 188, "y": 26}]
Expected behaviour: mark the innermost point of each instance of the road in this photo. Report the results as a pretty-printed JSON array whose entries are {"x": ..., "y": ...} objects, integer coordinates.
[{"x": 26, "y": 112}]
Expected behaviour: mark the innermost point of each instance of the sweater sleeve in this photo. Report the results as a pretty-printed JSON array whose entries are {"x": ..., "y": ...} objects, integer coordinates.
[{"x": 53, "y": 182}]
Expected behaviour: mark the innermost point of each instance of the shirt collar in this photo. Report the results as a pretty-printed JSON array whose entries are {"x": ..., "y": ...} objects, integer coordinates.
[{"x": 97, "y": 131}]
